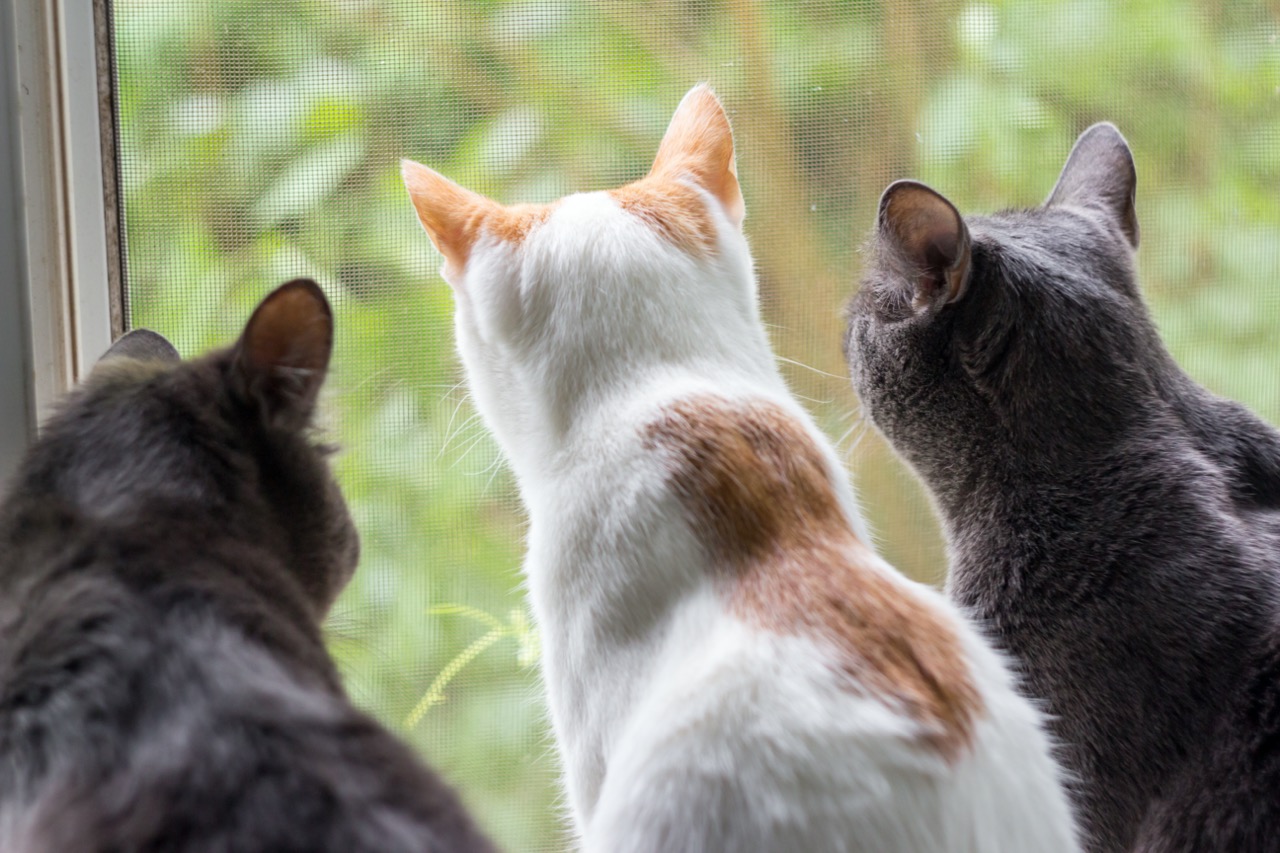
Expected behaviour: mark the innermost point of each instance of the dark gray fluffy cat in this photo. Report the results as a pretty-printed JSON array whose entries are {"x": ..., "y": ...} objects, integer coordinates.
[
  {"x": 1116, "y": 525},
  {"x": 167, "y": 552}
]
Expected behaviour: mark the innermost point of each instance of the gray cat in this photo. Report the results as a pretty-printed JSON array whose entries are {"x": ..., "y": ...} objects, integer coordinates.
[
  {"x": 167, "y": 552},
  {"x": 1116, "y": 525}
]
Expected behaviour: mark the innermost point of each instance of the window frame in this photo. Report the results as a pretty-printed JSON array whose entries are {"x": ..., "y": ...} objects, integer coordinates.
[{"x": 60, "y": 271}]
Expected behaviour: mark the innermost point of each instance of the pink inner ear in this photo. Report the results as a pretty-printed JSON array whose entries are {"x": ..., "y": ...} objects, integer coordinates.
[
  {"x": 292, "y": 328},
  {"x": 931, "y": 234},
  {"x": 699, "y": 145}
]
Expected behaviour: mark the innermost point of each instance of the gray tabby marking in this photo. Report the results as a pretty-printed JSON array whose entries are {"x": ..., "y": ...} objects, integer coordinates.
[{"x": 1116, "y": 525}]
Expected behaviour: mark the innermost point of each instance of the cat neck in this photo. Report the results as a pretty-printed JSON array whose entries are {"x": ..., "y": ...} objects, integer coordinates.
[{"x": 576, "y": 422}]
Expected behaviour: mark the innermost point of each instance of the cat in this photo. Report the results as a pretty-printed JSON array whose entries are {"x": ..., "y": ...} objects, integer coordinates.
[
  {"x": 729, "y": 665},
  {"x": 168, "y": 549},
  {"x": 1116, "y": 525}
]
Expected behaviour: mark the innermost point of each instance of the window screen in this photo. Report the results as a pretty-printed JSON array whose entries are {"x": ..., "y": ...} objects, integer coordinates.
[{"x": 260, "y": 141}]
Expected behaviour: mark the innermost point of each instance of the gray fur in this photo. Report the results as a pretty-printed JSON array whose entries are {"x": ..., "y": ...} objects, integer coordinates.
[
  {"x": 1114, "y": 524},
  {"x": 167, "y": 553},
  {"x": 142, "y": 345}
]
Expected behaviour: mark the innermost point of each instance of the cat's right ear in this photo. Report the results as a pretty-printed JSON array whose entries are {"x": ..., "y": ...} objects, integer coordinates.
[
  {"x": 282, "y": 357},
  {"x": 1100, "y": 174},
  {"x": 698, "y": 145},
  {"x": 928, "y": 235},
  {"x": 450, "y": 214}
]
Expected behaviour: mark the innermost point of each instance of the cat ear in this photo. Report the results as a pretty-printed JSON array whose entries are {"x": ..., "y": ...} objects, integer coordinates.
[
  {"x": 1100, "y": 174},
  {"x": 451, "y": 214},
  {"x": 928, "y": 234},
  {"x": 142, "y": 345},
  {"x": 283, "y": 355},
  {"x": 698, "y": 145}
]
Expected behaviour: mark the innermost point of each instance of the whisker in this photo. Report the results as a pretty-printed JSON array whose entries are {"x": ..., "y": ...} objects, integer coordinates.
[
  {"x": 783, "y": 358},
  {"x": 842, "y": 439},
  {"x": 497, "y": 466},
  {"x": 494, "y": 464},
  {"x": 461, "y": 428},
  {"x": 449, "y": 426},
  {"x": 859, "y": 430},
  {"x": 476, "y": 442},
  {"x": 370, "y": 377}
]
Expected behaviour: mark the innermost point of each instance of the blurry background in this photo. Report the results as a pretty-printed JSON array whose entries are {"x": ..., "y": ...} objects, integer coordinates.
[{"x": 260, "y": 141}]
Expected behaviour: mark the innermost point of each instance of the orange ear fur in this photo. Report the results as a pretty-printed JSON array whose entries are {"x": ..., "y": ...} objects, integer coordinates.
[
  {"x": 699, "y": 145},
  {"x": 452, "y": 215}
]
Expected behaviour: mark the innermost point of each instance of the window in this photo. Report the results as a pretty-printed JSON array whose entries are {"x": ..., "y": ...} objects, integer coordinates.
[{"x": 250, "y": 143}]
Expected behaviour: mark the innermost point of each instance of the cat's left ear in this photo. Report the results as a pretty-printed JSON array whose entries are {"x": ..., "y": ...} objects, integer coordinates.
[
  {"x": 698, "y": 145},
  {"x": 1100, "y": 174},
  {"x": 451, "y": 214},
  {"x": 282, "y": 357},
  {"x": 928, "y": 235},
  {"x": 141, "y": 345}
]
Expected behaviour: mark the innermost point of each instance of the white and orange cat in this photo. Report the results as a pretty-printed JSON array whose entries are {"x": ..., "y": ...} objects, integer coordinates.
[{"x": 729, "y": 664}]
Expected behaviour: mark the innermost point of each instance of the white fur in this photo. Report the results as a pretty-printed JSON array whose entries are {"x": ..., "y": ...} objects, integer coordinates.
[{"x": 681, "y": 727}]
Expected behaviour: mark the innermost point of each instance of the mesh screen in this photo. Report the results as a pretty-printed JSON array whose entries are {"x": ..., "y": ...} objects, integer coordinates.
[{"x": 259, "y": 141}]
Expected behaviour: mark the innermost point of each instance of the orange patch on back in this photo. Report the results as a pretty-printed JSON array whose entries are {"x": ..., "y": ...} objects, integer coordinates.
[
  {"x": 676, "y": 211},
  {"x": 759, "y": 489}
]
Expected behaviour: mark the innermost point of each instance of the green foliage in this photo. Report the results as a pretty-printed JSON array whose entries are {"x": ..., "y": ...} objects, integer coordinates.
[{"x": 259, "y": 142}]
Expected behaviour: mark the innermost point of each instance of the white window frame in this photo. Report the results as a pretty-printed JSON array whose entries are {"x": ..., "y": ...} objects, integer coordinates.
[{"x": 60, "y": 304}]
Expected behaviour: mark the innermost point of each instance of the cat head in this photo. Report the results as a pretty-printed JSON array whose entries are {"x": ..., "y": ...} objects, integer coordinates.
[
  {"x": 1019, "y": 333},
  {"x": 561, "y": 305},
  {"x": 226, "y": 437}
]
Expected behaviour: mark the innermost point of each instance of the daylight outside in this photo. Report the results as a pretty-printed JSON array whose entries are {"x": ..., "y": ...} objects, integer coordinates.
[{"x": 260, "y": 142}]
